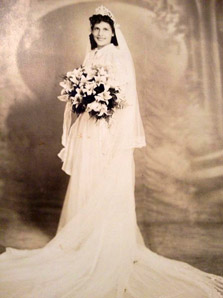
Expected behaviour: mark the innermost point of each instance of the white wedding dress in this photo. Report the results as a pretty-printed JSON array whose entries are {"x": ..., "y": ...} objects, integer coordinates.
[{"x": 98, "y": 251}]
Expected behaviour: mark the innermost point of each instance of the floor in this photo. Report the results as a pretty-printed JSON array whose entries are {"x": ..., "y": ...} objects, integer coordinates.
[{"x": 197, "y": 243}]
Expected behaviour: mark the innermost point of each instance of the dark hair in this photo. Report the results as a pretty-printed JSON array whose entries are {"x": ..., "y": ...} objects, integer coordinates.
[{"x": 96, "y": 19}]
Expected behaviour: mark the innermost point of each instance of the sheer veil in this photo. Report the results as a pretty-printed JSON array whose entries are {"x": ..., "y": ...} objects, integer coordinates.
[
  {"x": 127, "y": 128},
  {"x": 130, "y": 132}
]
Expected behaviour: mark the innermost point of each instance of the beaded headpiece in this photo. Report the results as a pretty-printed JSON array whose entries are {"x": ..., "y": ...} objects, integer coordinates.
[{"x": 104, "y": 12}]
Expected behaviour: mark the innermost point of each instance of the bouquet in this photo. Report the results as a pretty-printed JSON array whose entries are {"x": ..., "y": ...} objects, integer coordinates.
[{"x": 91, "y": 91}]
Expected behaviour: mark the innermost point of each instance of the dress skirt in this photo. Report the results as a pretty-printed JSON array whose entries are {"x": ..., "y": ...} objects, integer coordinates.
[{"x": 97, "y": 251}]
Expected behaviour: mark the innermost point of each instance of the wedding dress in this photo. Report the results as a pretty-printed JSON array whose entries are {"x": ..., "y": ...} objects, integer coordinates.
[{"x": 98, "y": 251}]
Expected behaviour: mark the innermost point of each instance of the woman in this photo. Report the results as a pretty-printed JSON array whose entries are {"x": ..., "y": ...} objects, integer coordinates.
[{"x": 98, "y": 251}]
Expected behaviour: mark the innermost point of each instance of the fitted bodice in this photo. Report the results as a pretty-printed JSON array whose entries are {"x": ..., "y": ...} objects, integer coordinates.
[
  {"x": 109, "y": 57},
  {"x": 103, "y": 57}
]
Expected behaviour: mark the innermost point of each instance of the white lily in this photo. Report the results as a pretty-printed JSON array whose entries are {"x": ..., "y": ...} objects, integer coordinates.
[
  {"x": 74, "y": 80},
  {"x": 90, "y": 75},
  {"x": 100, "y": 79},
  {"x": 94, "y": 106},
  {"x": 75, "y": 75},
  {"x": 63, "y": 92},
  {"x": 104, "y": 96},
  {"x": 66, "y": 85},
  {"x": 89, "y": 88},
  {"x": 74, "y": 100},
  {"x": 84, "y": 80},
  {"x": 64, "y": 97},
  {"x": 77, "y": 99},
  {"x": 77, "y": 72},
  {"x": 104, "y": 110}
]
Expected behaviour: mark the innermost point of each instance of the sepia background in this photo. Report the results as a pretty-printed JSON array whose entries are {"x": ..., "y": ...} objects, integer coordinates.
[{"x": 177, "y": 49}]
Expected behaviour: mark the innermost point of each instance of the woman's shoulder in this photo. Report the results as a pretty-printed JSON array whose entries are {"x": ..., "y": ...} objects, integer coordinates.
[
  {"x": 106, "y": 50},
  {"x": 111, "y": 48},
  {"x": 108, "y": 55},
  {"x": 113, "y": 53}
]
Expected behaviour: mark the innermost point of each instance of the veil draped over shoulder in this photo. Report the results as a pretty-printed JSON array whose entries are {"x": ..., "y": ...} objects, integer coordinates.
[
  {"x": 129, "y": 132},
  {"x": 126, "y": 129}
]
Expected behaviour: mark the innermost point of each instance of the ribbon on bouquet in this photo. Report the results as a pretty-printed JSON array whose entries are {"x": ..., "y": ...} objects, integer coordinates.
[{"x": 66, "y": 123}]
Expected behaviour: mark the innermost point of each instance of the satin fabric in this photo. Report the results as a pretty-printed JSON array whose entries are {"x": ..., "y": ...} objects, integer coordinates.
[{"x": 98, "y": 251}]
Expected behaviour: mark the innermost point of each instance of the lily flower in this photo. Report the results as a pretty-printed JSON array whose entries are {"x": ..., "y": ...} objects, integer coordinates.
[
  {"x": 103, "y": 111},
  {"x": 66, "y": 85},
  {"x": 104, "y": 96},
  {"x": 89, "y": 88},
  {"x": 94, "y": 106},
  {"x": 64, "y": 97}
]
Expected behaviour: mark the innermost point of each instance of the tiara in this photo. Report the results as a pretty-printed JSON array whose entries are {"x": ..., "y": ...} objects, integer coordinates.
[{"x": 104, "y": 12}]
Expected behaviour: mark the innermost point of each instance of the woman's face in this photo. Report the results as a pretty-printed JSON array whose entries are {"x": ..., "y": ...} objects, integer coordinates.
[{"x": 102, "y": 34}]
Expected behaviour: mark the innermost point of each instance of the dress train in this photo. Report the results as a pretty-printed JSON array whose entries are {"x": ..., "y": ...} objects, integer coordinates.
[{"x": 95, "y": 253}]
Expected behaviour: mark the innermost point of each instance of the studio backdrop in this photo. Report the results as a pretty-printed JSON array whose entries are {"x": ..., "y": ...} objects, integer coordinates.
[{"x": 176, "y": 46}]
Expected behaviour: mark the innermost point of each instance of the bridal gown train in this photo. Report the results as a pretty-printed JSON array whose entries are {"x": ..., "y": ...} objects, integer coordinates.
[{"x": 97, "y": 251}]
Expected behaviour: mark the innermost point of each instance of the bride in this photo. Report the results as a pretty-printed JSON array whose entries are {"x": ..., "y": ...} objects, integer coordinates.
[{"x": 98, "y": 251}]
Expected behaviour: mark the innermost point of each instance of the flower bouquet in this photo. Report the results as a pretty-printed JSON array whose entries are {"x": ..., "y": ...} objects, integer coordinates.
[{"x": 91, "y": 91}]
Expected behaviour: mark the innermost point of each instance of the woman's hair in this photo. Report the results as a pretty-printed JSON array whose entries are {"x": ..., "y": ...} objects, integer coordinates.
[{"x": 96, "y": 19}]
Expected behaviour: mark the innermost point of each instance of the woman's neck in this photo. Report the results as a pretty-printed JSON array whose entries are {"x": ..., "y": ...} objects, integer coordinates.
[{"x": 98, "y": 48}]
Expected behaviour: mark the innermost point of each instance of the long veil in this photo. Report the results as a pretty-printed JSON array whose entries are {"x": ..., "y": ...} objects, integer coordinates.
[{"x": 127, "y": 129}]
